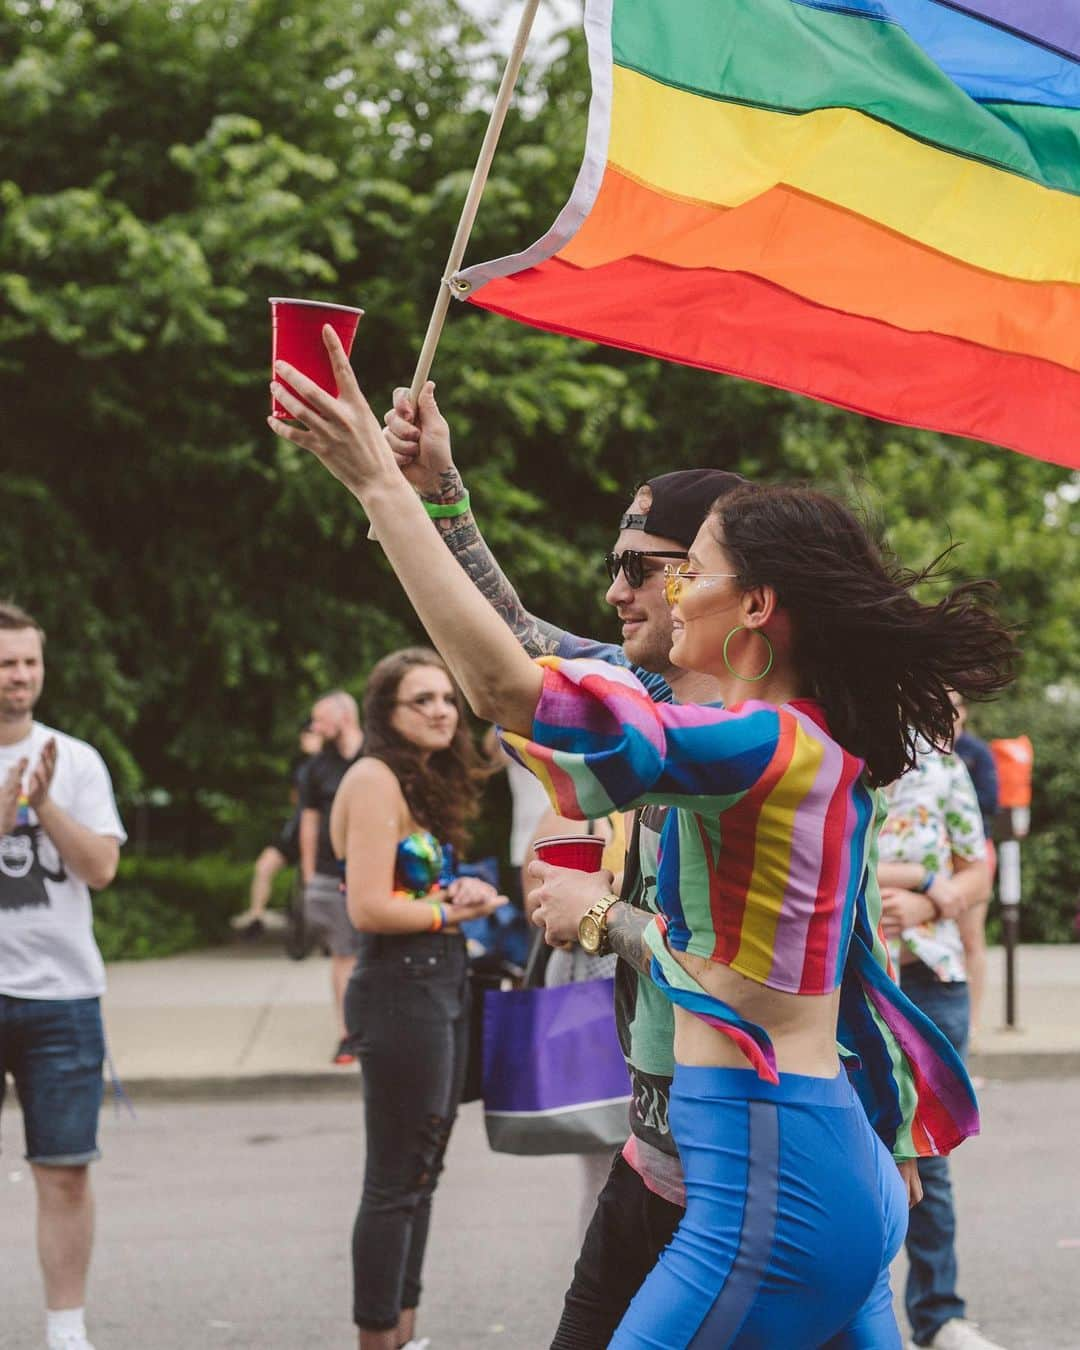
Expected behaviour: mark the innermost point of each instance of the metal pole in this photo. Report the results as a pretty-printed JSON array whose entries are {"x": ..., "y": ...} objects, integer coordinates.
[{"x": 1009, "y": 891}]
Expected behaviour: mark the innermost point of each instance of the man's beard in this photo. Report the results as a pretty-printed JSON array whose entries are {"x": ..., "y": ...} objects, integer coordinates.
[
  {"x": 651, "y": 650},
  {"x": 10, "y": 713}
]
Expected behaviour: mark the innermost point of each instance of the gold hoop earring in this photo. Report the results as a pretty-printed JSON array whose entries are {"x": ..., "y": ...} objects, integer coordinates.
[{"x": 750, "y": 679}]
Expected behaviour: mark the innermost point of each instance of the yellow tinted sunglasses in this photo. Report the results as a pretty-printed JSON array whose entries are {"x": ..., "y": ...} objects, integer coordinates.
[{"x": 675, "y": 577}]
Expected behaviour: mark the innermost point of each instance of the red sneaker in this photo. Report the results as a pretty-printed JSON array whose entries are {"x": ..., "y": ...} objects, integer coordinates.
[{"x": 344, "y": 1054}]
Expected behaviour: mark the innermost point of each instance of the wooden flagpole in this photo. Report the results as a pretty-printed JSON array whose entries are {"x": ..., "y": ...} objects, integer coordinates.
[
  {"x": 472, "y": 203},
  {"x": 472, "y": 199}
]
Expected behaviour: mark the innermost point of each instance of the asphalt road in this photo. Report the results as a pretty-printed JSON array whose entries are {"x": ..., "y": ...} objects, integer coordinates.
[{"x": 225, "y": 1225}]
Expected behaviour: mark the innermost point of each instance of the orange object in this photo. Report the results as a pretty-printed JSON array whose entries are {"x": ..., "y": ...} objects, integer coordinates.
[
  {"x": 1013, "y": 757},
  {"x": 914, "y": 287}
]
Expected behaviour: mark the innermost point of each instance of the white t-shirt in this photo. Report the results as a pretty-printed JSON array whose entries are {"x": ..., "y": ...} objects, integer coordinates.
[
  {"x": 47, "y": 947},
  {"x": 529, "y": 802}
]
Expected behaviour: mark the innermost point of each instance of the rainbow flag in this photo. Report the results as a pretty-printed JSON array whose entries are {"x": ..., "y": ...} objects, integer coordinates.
[{"x": 873, "y": 202}]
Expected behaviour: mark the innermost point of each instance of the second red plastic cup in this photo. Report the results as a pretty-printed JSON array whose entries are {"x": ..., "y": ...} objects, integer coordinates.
[
  {"x": 583, "y": 852},
  {"x": 297, "y": 338}
]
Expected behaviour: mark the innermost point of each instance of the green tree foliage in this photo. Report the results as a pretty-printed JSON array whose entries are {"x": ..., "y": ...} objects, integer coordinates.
[
  {"x": 171, "y": 167},
  {"x": 166, "y": 168}
]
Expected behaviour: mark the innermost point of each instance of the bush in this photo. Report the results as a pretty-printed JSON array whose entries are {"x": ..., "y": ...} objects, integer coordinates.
[
  {"x": 131, "y": 923},
  {"x": 159, "y": 906}
]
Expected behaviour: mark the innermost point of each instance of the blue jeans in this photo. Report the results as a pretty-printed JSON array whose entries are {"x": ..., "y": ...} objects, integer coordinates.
[
  {"x": 930, "y": 1297},
  {"x": 54, "y": 1049}
]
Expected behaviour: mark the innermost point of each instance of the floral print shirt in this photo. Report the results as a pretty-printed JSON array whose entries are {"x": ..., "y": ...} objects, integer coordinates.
[{"x": 933, "y": 818}]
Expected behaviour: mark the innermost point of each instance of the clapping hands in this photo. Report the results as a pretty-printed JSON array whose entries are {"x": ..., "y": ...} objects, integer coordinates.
[
  {"x": 10, "y": 791},
  {"x": 37, "y": 790}
]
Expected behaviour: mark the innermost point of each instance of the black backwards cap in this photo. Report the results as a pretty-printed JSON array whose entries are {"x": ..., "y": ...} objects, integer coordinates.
[{"x": 680, "y": 502}]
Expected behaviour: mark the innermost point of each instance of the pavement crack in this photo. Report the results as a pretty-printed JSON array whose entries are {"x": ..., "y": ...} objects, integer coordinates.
[{"x": 258, "y": 1025}]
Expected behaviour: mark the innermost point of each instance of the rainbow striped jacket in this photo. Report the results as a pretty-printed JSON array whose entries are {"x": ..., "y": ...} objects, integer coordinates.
[{"x": 768, "y": 865}]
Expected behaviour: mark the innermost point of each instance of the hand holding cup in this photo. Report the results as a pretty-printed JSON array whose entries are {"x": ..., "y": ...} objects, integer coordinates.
[
  {"x": 296, "y": 333},
  {"x": 342, "y": 432},
  {"x": 572, "y": 880}
]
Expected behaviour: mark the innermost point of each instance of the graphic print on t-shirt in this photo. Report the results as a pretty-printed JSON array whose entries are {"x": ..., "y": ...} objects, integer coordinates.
[
  {"x": 643, "y": 1014},
  {"x": 27, "y": 860},
  {"x": 47, "y": 947}
]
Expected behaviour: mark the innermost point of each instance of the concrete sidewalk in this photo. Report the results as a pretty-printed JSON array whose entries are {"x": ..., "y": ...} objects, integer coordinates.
[
  {"x": 244, "y": 1019},
  {"x": 233, "y": 1020}
]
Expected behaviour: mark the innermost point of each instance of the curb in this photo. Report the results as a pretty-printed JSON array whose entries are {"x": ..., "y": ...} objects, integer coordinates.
[
  {"x": 1012, "y": 1066},
  {"x": 343, "y": 1082}
]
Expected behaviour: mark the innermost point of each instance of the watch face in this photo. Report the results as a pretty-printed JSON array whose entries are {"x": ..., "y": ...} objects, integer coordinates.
[{"x": 589, "y": 934}]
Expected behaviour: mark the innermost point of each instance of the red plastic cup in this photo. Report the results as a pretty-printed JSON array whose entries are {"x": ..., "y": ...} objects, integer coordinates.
[
  {"x": 583, "y": 852},
  {"x": 297, "y": 338}
]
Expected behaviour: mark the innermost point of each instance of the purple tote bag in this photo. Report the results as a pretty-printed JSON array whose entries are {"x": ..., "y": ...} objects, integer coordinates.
[{"x": 555, "y": 1080}]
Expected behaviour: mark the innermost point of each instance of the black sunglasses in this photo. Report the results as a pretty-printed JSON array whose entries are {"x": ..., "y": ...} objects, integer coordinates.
[{"x": 631, "y": 561}]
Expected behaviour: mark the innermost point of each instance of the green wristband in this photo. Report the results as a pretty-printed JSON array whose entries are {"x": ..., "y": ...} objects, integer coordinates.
[{"x": 441, "y": 510}]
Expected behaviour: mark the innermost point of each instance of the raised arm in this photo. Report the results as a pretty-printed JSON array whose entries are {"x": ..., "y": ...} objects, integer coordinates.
[
  {"x": 600, "y": 744},
  {"x": 499, "y": 680},
  {"x": 420, "y": 440}
]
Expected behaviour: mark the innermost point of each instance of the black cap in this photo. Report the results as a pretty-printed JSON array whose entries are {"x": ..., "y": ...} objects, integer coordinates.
[{"x": 681, "y": 501}]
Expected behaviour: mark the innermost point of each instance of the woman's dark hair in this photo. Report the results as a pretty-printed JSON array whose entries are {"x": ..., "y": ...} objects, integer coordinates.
[
  {"x": 443, "y": 790},
  {"x": 879, "y": 661}
]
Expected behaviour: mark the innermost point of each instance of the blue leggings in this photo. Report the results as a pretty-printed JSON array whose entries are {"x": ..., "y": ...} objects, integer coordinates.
[{"x": 794, "y": 1211}]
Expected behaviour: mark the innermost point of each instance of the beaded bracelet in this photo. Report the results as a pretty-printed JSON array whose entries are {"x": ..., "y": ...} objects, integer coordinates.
[
  {"x": 441, "y": 510},
  {"x": 438, "y": 917}
]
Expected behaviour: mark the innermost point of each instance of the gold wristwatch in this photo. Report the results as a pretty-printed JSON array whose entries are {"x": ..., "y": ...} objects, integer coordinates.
[{"x": 592, "y": 930}]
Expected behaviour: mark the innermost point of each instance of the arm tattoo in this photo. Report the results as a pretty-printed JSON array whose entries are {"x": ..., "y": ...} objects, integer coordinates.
[
  {"x": 625, "y": 929},
  {"x": 466, "y": 543}
]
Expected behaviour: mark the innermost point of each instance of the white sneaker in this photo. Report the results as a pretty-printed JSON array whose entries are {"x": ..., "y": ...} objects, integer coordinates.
[
  {"x": 960, "y": 1334},
  {"x": 72, "y": 1341},
  {"x": 417, "y": 1345}
]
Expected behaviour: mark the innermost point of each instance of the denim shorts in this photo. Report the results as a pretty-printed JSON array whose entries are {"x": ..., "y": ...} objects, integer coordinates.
[{"x": 54, "y": 1049}]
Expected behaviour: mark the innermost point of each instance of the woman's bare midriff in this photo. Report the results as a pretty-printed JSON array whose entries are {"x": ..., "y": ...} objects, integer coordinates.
[{"x": 802, "y": 1027}]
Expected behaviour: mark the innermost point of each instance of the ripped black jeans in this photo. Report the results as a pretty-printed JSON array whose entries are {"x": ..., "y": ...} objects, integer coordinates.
[{"x": 407, "y": 1006}]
